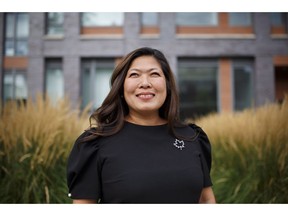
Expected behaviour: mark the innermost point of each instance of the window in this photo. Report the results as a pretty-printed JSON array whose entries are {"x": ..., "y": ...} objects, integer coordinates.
[
  {"x": 96, "y": 75},
  {"x": 102, "y": 24},
  {"x": 16, "y": 34},
  {"x": 277, "y": 21},
  {"x": 240, "y": 19},
  {"x": 54, "y": 82},
  {"x": 196, "y": 19},
  {"x": 149, "y": 19},
  {"x": 243, "y": 84},
  {"x": 198, "y": 87},
  {"x": 149, "y": 23},
  {"x": 54, "y": 23},
  {"x": 102, "y": 19},
  {"x": 15, "y": 85}
]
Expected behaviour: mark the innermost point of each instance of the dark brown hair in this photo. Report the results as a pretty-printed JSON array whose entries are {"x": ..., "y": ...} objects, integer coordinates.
[{"x": 109, "y": 117}]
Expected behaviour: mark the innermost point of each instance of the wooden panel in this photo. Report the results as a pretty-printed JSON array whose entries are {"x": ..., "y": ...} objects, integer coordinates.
[
  {"x": 225, "y": 85},
  {"x": 280, "y": 60},
  {"x": 150, "y": 30},
  {"x": 222, "y": 28},
  {"x": 15, "y": 62},
  {"x": 278, "y": 30},
  {"x": 101, "y": 30}
]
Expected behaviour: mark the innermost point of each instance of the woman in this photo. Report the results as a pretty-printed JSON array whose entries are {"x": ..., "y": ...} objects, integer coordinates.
[{"x": 139, "y": 151}]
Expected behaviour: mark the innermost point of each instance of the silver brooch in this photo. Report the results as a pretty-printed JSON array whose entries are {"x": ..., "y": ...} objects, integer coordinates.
[{"x": 179, "y": 144}]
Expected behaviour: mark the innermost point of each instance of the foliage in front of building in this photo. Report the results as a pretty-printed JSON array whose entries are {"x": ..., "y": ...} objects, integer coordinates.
[
  {"x": 250, "y": 152},
  {"x": 35, "y": 140}
]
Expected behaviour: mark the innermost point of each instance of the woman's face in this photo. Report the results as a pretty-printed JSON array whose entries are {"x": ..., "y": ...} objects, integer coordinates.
[{"x": 145, "y": 86}]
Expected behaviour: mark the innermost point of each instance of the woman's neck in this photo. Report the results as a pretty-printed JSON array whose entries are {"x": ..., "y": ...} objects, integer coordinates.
[{"x": 147, "y": 120}]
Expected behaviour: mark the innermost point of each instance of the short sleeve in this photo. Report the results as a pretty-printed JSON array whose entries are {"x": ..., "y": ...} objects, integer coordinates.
[
  {"x": 206, "y": 155},
  {"x": 83, "y": 170}
]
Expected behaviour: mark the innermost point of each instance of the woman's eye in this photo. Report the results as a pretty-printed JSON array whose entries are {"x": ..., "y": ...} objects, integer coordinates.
[
  {"x": 155, "y": 74},
  {"x": 133, "y": 75}
]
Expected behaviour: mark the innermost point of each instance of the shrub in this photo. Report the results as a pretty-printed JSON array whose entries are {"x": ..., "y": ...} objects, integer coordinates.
[
  {"x": 250, "y": 154},
  {"x": 35, "y": 140}
]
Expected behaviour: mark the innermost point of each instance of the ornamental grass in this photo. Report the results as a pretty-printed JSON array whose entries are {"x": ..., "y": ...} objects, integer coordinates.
[
  {"x": 35, "y": 140},
  {"x": 250, "y": 154}
]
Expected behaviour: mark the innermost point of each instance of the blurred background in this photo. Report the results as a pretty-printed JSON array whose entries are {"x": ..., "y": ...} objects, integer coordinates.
[{"x": 231, "y": 71}]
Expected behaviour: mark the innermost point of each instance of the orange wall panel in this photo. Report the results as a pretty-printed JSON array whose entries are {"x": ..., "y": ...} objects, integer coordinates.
[
  {"x": 101, "y": 30},
  {"x": 280, "y": 60},
  {"x": 225, "y": 85},
  {"x": 15, "y": 62}
]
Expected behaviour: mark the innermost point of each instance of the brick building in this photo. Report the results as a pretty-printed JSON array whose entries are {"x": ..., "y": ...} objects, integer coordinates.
[{"x": 222, "y": 61}]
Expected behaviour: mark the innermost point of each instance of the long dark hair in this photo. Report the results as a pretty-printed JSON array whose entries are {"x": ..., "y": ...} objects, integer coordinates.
[{"x": 109, "y": 117}]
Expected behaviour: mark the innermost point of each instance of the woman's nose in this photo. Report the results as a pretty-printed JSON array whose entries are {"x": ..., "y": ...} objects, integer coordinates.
[{"x": 145, "y": 83}]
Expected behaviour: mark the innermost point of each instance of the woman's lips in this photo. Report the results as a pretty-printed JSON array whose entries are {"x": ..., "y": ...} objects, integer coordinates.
[{"x": 145, "y": 95}]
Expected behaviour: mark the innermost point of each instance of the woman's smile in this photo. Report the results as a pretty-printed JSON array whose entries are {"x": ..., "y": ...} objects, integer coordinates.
[{"x": 145, "y": 87}]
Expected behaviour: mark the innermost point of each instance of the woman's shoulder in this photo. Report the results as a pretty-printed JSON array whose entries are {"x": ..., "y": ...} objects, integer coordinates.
[
  {"x": 189, "y": 130},
  {"x": 200, "y": 133},
  {"x": 87, "y": 139}
]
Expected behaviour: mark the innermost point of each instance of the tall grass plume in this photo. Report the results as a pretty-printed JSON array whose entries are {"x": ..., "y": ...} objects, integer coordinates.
[
  {"x": 35, "y": 140},
  {"x": 250, "y": 154}
]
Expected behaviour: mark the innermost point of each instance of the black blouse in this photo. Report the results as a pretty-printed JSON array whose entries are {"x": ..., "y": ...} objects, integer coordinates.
[{"x": 141, "y": 164}]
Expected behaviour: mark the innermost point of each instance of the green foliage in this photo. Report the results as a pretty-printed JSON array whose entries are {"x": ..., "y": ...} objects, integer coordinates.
[
  {"x": 35, "y": 140},
  {"x": 250, "y": 154}
]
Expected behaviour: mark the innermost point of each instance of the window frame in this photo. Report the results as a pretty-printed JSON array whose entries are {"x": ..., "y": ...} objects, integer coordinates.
[
  {"x": 14, "y": 72},
  {"x": 47, "y": 24},
  {"x": 14, "y": 39},
  {"x": 191, "y": 62},
  {"x": 101, "y": 29},
  {"x": 53, "y": 63},
  {"x": 222, "y": 28},
  {"x": 237, "y": 63}
]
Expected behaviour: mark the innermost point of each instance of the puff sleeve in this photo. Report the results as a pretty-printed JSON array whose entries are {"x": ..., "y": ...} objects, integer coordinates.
[
  {"x": 205, "y": 154},
  {"x": 83, "y": 170}
]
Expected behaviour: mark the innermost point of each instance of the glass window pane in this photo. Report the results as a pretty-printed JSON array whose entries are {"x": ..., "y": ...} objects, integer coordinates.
[
  {"x": 276, "y": 19},
  {"x": 22, "y": 25},
  {"x": 240, "y": 19},
  {"x": 102, "y": 85},
  {"x": 243, "y": 94},
  {"x": 21, "y": 48},
  {"x": 149, "y": 19},
  {"x": 198, "y": 87},
  {"x": 86, "y": 98},
  {"x": 54, "y": 23},
  {"x": 9, "y": 48},
  {"x": 102, "y": 19},
  {"x": 20, "y": 87},
  {"x": 196, "y": 19},
  {"x": 10, "y": 21},
  {"x": 54, "y": 80},
  {"x": 15, "y": 86},
  {"x": 8, "y": 87},
  {"x": 96, "y": 81}
]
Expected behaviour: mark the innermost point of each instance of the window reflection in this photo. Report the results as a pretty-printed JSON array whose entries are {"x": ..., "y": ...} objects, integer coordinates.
[
  {"x": 198, "y": 87},
  {"x": 276, "y": 19},
  {"x": 96, "y": 75},
  {"x": 102, "y": 19},
  {"x": 149, "y": 19},
  {"x": 54, "y": 80},
  {"x": 240, "y": 19},
  {"x": 243, "y": 85},
  {"x": 196, "y": 19},
  {"x": 16, "y": 34},
  {"x": 54, "y": 23},
  {"x": 15, "y": 85}
]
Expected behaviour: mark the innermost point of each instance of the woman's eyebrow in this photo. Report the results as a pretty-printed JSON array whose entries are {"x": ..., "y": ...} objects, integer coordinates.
[{"x": 140, "y": 70}]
